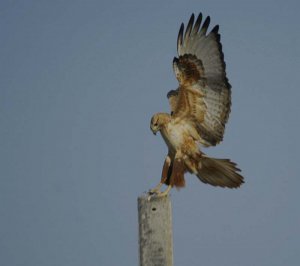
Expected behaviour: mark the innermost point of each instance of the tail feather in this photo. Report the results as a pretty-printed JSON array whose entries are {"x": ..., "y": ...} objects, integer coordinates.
[{"x": 219, "y": 172}]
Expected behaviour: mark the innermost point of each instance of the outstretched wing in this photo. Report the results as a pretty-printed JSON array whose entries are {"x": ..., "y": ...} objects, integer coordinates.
[{"x": 203, "y": 98}]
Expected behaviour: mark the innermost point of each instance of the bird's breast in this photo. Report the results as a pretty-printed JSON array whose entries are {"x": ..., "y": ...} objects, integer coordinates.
[{"x": 173, "y": 135}]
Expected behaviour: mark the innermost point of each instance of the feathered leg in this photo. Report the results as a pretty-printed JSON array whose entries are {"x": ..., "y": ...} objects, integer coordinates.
[
  {"x": 172, "y": 175},
  {"x": 177, "y": 176}
]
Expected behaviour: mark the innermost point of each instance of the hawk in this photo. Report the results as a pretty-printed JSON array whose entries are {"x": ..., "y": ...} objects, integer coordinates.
[{"x": 200, "y": 108}]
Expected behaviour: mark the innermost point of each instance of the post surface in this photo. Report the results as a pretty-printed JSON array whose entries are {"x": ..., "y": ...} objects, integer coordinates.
[{"x": 155, "y": 231}]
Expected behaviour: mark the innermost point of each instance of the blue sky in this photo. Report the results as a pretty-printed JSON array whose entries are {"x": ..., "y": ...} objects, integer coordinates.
[{"x": 79, "y": 83}]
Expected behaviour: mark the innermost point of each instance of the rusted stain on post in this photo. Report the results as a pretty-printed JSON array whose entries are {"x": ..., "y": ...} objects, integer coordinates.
[{"x": 155, "y": 231}]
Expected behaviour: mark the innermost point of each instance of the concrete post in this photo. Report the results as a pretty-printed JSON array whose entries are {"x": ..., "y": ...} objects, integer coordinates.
[{"x": 155, "y": 231}]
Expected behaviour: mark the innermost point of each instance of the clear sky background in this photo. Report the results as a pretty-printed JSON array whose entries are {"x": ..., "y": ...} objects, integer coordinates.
[{"x": 79, "y": 83}]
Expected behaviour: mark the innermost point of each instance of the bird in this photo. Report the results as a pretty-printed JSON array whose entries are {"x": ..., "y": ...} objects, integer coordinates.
[{"x": 200, "y": 108}]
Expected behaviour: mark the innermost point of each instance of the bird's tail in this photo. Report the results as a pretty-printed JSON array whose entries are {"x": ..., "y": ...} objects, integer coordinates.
[{"x": 219, "y": 172}]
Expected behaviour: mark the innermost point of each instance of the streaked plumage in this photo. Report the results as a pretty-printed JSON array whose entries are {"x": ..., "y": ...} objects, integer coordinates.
[{"x": 200, "y": 108}]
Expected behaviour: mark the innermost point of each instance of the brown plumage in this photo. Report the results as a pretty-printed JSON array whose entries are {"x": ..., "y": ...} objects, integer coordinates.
[{"x": 200, "y": 108}]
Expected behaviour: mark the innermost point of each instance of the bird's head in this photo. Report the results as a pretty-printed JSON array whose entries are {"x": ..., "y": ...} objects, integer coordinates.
[{"x": 158, "y": 121}]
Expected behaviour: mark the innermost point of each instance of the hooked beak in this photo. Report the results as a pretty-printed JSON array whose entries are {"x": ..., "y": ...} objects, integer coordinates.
[{"x": 153, "y": 131}]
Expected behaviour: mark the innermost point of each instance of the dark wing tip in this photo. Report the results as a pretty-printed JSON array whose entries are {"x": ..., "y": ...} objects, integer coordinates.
[
  {"x": 189, "y": 26},
  {"x": 192, "y": 18},
  {"x": 215, "y": 32},
  {"x": 215, "y": 29},
  {"x": 180, "y": 36},
  {"x": 197, "y": 23},
  {"x": 206, "y": 24}
]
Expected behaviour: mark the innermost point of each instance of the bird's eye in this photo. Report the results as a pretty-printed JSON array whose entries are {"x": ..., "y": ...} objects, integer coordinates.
[{"x": 155, "y": 124}]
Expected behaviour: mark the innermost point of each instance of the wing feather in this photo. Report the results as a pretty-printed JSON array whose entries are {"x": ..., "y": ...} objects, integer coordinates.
[
  {"x": 189, "y": 27},
  {"x": 204, "y": 97},
  {"x": 173, "y": 99},
  {"x": 180, "y": 36},
  {"x": 197, "y": 24}
]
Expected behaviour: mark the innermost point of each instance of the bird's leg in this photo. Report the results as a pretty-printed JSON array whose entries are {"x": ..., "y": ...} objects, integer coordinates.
[
  {"x": 164, "y": 193},
  {"x": 156, "y": 190},
  {"x": 164, "y": 176},
  {"x": 166, "y": 172}
]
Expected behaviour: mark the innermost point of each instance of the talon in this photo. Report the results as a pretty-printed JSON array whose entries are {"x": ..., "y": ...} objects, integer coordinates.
[
  {"x": 158, "y": 193},
  {"x": 152, "y": 194},
  {"x": 155, "y": 190},
  {"x": 164, "y": 193}
]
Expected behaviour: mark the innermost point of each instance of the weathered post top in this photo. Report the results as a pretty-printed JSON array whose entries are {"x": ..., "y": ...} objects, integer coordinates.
[{"x": 155, "y": 231}]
